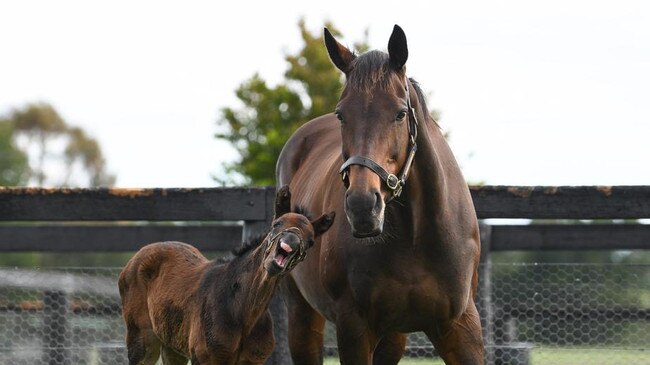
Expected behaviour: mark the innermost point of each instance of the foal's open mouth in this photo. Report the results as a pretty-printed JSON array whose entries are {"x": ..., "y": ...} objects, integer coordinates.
[{"x": 284, "y": 255}]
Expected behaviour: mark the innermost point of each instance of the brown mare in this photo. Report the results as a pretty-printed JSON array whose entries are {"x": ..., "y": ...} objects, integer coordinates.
[
  {"x": 406, "y": 259},
  {"x": 176, "y": 300}
]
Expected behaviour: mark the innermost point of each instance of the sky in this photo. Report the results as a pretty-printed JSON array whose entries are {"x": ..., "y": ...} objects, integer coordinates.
[{"x": 532, "y": 92}]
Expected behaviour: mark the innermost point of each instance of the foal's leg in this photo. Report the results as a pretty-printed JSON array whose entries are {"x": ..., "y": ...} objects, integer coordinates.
[
  {"x": 306, "y": 327},
  {"x": 461, "y": 343},
  {"x": 390, "y": 349},
  {"x": 171, "y": 357},
  {"x": 143, "y": 347}
]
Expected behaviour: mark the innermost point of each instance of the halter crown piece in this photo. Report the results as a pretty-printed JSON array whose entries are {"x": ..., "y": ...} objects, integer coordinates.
[{"x": 393, "y": 182}]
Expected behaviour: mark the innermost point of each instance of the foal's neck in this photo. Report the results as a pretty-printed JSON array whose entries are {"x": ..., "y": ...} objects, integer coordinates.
[{"x": 256, "y": 286}]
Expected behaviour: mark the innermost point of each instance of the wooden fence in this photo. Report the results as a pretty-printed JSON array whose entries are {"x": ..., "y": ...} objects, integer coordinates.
[{"x": 216, "y": 219}]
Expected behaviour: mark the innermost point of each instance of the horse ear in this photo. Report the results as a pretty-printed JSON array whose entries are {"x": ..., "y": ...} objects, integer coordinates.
[
  {"x": 282, "y": 202},
  {"x": 323, "y": 223},
  {"x": 339, "y": 54},
  {"x": 397, "y": 50}
]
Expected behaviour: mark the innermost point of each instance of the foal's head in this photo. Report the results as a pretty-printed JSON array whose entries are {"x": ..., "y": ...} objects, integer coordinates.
[
  {"x": 376, "y": 123},
  {"x": 291, "y": 235}
]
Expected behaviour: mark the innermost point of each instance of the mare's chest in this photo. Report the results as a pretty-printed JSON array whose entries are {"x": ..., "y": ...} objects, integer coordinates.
[{"x": 397, "y": 289}]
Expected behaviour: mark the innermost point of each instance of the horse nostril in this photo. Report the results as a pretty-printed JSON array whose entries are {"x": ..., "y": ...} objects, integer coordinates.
[{"x": 378, "y": 201}]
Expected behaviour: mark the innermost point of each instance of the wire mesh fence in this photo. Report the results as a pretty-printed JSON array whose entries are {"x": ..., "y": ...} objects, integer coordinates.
[{"x": 539, "y": 314}]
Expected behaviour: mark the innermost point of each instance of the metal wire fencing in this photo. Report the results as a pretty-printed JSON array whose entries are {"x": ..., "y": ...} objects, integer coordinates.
[{"x": 539, "y": 314}]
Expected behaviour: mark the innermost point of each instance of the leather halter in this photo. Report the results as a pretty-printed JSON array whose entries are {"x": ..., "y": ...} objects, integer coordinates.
[{"x": 393, "y": 182}]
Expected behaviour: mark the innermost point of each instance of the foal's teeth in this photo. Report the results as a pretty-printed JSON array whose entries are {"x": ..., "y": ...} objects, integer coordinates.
[{"x": 285, "y": 246}]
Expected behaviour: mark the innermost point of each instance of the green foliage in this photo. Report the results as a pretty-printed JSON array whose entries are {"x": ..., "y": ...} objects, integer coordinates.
[
  {"x": 14, "y": 166},
  {"x": 40, "y": 127},
  {"x": 270, "y": 115}
]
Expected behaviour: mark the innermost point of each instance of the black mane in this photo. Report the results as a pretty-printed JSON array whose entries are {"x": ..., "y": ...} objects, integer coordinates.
[{"x": 302, "y": 210}]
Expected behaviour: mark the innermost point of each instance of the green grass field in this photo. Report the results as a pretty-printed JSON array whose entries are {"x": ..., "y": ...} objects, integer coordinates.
[
  {"x": 559, "y": 356},
  {"x": 405, "y": 361}
]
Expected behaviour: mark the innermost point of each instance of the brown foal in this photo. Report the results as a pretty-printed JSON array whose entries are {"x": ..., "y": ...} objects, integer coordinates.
[{"x": 180, "y": 305}]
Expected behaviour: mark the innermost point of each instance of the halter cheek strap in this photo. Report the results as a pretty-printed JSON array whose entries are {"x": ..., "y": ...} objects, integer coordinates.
[{"x": 395, "y": 183}]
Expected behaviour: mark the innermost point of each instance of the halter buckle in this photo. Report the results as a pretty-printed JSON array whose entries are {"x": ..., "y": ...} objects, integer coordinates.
[{"x": 392, "y": 181}]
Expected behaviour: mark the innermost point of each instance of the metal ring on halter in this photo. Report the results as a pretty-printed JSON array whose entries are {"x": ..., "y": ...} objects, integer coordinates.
[{"x": 392, "y": 181}]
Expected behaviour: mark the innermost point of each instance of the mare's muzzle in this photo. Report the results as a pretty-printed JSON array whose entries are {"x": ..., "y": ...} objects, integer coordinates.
[{"x": 365, "y": 212}]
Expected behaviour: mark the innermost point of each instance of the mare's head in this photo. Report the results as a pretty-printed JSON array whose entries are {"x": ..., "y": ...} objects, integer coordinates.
[
  {"x": 376, "y": 122},
  {"x": 291, "y": 235}
]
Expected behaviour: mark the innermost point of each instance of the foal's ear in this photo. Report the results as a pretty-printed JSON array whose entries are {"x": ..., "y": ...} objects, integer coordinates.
[
  {"x": 339, "y": 54},
  {"x": 282, "y": 202},
  {"x": 397, "y": 50},
  {"x": 323, "y": 223}
]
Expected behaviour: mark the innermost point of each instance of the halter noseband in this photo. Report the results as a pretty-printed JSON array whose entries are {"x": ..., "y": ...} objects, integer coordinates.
[{"x": 393, "y": 182}]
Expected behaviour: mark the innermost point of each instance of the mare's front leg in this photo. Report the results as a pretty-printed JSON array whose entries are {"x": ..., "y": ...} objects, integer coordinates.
[
  {"x": 460, "y": 342},
  {"x": 306, "y": 327},
  {"x": 355, "y": 341},
  {"x": 389, "y": 350}
]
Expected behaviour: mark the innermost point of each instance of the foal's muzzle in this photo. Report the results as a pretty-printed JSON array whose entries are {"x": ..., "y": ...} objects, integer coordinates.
[{"x": 287, "y": 249}]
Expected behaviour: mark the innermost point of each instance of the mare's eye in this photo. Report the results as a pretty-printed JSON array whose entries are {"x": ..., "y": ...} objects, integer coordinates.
[
  {"x": 400, "y": 116},
  {"x": 339, "y": 116}
]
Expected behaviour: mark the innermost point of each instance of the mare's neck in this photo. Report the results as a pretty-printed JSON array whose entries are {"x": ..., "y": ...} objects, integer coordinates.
[{"x": 436, "y": 188}]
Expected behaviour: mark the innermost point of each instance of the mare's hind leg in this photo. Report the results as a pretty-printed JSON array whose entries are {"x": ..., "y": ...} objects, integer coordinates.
[
  {"x": 461, "y": 342},
  {"x": 306, "y": 327},
  {"x": 171, "y": 357},
  {"x": 389, "y": 350}
]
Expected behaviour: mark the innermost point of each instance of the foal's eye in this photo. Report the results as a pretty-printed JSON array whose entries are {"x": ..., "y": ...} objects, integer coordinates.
[
  {"x": 400, "y": 116},
  {"x": 277, "y": 224}
]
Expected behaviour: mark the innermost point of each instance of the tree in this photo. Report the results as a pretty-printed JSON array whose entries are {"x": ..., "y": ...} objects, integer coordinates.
[
  {"x": 270, "y": 115},
  {"x": 59, "y": 154},
  {"x": 14, "y": 166}
]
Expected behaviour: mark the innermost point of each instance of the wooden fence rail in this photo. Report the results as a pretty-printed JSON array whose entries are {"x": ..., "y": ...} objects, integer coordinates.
[{"x": 112, "y": 220}]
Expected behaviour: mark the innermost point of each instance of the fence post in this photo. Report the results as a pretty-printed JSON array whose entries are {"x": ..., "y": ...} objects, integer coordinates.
[
  {"x": 55, "y": 308},
  {"x": 281, "y": 355},
  {"x": 484, "y": 302}
]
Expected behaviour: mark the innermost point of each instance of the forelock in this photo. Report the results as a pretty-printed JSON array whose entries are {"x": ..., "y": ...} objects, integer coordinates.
[{"x": 370, "y": 70}]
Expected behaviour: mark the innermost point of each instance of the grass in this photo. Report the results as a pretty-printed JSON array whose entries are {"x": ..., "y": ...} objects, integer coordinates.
[
  {"x": 404, "y": 361},
  {"x": 605, "y": 356},
  {"x": 558, "y": 356}
]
